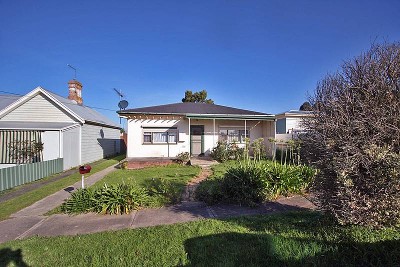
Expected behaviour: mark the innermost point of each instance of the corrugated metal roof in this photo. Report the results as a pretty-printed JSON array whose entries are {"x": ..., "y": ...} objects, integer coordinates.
[
  {"x": 84, "y": 112},
  {"x": 6, "y": 100},
  {"x": 22, "y": 125},
  {"x": 192, "y": 108}
]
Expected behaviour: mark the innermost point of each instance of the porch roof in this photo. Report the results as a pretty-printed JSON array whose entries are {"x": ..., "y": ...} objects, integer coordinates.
[{"x": 199, "y": 111}]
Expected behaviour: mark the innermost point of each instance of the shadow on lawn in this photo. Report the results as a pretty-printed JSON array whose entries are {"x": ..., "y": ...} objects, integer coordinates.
[
  {"x": 8, "y": 256},
  {"x": 243, "y": 249}
]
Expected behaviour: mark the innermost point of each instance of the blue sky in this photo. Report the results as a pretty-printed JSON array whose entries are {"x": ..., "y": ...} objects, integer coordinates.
[{"x": 258, "y": 55}]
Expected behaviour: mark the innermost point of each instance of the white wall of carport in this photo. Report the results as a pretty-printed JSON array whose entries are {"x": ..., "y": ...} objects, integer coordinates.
[
  {"x": 99, "y": 142},
  {"x": 70, "y": 147},
  {"x": 51, "y": 145}
]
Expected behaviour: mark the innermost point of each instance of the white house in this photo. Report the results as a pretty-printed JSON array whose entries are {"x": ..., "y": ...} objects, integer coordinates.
[
  {"x": 167, "y": 130},
  {"x": 66, "y": 127}
]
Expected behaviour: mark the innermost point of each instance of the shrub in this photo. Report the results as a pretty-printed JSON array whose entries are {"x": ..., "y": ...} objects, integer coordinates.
[
  {"x": 252, "y": 182},
  {"x": 114, "y": 199},
  {"x": 182, "y": 157},
  {"x": 220, "y": 152},
  {"x": 80, "y": 201},
  {"x": 353, "y": 138},
  {"x": 246, "y": 183},
  {"x": 119, "y": 199},
  {"x": 209, "y": 191},
  {"x": 258, "y": 147}
]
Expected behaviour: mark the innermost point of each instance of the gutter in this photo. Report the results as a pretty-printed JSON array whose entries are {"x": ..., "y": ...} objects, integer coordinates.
[{"x": 203, "y": 116}]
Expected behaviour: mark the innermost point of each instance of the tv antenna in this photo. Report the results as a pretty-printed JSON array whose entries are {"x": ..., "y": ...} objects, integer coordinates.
[
  {"x": 122, "y": 104},
  {"x": 119, "y": 93},
  {"x": 73, "y": 69}
]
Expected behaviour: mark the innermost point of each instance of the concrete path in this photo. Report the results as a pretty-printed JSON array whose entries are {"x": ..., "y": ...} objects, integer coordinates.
[
  {"x": 62, "y": 224},
  {"x": 31, "y": 222},
  {"x": 205, "y": 165}
]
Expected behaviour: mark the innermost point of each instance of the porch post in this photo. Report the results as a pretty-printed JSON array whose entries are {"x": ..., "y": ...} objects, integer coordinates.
[
  {"x": 245, "y": 128},
  {"x": 190, "y": 143},
  {"x": 213, "y": 132}
]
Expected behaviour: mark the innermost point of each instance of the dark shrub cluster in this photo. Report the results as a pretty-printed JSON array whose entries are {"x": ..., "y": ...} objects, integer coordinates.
[
  {"x": 225, "y": 151},
  {"x": 114, "y": 199},
  {"x": 251, "y": 182},
  {"x": 354, "y": 139}
]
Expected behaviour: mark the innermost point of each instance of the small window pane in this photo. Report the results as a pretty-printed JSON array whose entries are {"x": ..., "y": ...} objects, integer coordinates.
[
  {"x": 147, "y": 137},
  {"x": 160, "y": 137},
  {"x": 172, "y": 138},
  {"x": 233, "y": 136}
]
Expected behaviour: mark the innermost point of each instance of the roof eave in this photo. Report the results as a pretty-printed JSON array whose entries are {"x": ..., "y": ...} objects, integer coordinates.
[
  {"x": 102, "y": 124},
  {"x": 232, "y": 116},
  {"x": 203, "y": 116}
]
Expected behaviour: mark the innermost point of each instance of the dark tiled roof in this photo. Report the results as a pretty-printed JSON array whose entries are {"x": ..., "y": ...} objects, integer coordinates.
[{"x": 191, "y": 108}]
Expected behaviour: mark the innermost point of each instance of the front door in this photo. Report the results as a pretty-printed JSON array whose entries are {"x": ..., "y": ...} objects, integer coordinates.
[{"x": 196, "y": 139}]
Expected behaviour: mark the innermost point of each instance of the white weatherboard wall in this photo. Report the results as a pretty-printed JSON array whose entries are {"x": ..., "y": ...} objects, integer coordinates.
[
  {"x": 70, "y": 151},
  {"x": 99, "y": 142},
  {"x": 38, "y": 109},
  {"x": 51, "y": 145},
  {"x": 269, "y": 132}
]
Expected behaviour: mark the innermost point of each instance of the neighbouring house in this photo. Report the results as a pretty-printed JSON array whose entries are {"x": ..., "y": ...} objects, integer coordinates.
[
  {"x": 42, "y": 125},
  {"x": 167, "y": 130},
  {"x": 288, "y": 124}
]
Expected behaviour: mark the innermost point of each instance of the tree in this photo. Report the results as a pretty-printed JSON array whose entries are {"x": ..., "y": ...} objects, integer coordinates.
[
  {"x": 197, "y": 97},
  {"x": 306, "y": 106},
  {"x": 353, "y": 138}
]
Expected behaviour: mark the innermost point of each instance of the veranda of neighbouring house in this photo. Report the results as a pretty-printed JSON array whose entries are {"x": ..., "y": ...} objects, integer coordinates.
[{"x": 197, "y": 135}]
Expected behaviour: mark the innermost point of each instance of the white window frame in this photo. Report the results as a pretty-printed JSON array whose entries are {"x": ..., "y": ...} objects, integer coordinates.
[
  {"x": 240, "y": 130},
  {"x": 151, "y": 131}
]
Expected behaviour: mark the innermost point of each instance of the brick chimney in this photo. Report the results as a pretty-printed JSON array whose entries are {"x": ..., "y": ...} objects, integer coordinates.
[{"x": 75, "y": 91}]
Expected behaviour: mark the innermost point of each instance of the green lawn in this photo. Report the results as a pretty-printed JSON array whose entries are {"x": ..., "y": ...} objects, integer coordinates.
[
  {"x": 171, "y": 179},
  {"x": 175, "y": 173},
  {"x": 13, "y": 205},
  {"x": 291, "y": 239}
]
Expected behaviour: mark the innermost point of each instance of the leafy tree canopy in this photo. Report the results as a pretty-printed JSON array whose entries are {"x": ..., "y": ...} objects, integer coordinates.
[
  {"x": 197, "y": 97},
  {"x": 353, "y": 138},
  {"x": 306, "y": 106}
]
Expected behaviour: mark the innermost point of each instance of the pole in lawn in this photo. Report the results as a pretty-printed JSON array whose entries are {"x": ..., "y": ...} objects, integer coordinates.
[{"x": 83, "y": 170}]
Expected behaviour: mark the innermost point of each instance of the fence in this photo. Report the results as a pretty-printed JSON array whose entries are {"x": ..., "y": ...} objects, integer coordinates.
[{"x": 21, "y": 174}]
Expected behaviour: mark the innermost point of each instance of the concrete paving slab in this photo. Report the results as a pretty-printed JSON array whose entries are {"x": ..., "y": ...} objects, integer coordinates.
[
  {"x": 12, "y": 228},
  {"x": 297, "y": 202},
  {"x": 184, "y": 212},
  {"x": 62, "y": 224},
  {"x": 44, "y": 205}
]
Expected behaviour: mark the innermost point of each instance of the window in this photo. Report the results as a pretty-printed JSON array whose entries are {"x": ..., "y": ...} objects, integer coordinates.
[
  {"x": 147, "y": 137},
  {"x": 232, "y": 135},
  {"x": 160, "y": 136}
]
